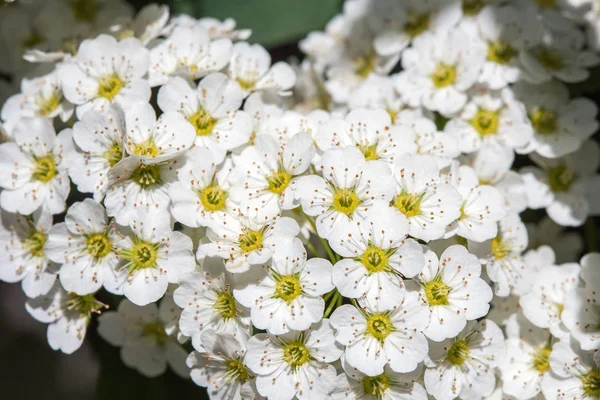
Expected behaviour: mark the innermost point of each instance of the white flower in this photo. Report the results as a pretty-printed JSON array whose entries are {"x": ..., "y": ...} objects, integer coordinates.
[
  {"x": 212, "y": 109},
  {"x": 223, "y": 29},
  {"x": 568, "y": 187},
  {"x": 428, "y": 203},
  {"x": 482, "y": 206},
  {"x": 371, "y": 131},
  {"x": 350, "y": 186},
  {"x": 152, "y": 256},
  {"x": 39, "y": 97},
  {"x": 506, "y": 29},
  {"x": 147, "y": 25},
  {"x": 106, "y": 71},
  {"x": 243, "y": 241},
  {"x": 152, "y": 140},
  {"x": 208, "y": 303},
  {"x": 268, "y": 173},
  {"x": 493, "y": 163},
  {"x": 377, "y": 92},
  {"x": 133, "y": 185},
  {"x": 528, "y": 350},
  {"x": 23, "y": 257},
  {"x": 378, "y": 256},
  {"x": 438, "y": 70},
  {"x": 491, "y": 119},
  {"x": 566, "y": 245},
  {"x": 67, "y": 316},
  {"x": 33, "y": 169},
  {"x": 98, "y": 138},
  {"x": 429, "y": 141},
  {"x": 286, "y": 294},
  {"x": 400, "y": 23},
  {"x": 220, "y": 367},
  {"x": 544, "y": 304},
  {"x": 250, "y": 66},
  {"x": 201, "y": 196},
  {"x": 453, "y": 290},
  {"x": 374, "y": 337},
  {"x": 187, "y": 52},
  {"x": 560, "y": 124},
  {"x": 574, "y": 373},
  {"x": 464, "y": 366},
  {"x": 84, "y": 245},
  {"x": 390, "y": 385},
  {"x": 294, "y": 364},
  {"x": 581, "y": 314},
  {"x": 143, "y": 335}
]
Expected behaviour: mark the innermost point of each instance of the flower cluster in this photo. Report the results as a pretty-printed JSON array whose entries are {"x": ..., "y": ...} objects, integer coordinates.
[{"x": 346, "y": 227}]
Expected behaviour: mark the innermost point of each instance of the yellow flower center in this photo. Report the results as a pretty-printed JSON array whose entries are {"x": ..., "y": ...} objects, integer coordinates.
[
  {"x": 591, "y": 383},
  {"x": 248, "y": 82},
  {"x": 141, "y": 256},
  {"x": 379, "y": 325},
  {"x": 437, "y": 292},
  {"x": 146, "y": 149},
  {"x": 444, "y": 75},
  {"x": 545, "y": 122},
  {"x": 84, "y": 305},
  {"x": 560, "y": 178},
  {"x": 459, "y": 352},
  {"x": 345, "y": 201},
  {"x": 114, "y": 154},
  {"x": 109, "y": 86},
  {"x": 279, "y": 181},
  {"x": 225, "y": 305},
  {"x": 550, "y": 59},
  {"x": 288, "y": 287},
  {"x": 369, "y": 151},
  {"x": 44, "y": 169},
  {"x": 364, "y": 66},
  {"x": 541, "y": 359},
  {"x": 376, "y": 385},
  {"x": 500, "y": 52},
  {"x": 98, "y": 245},
  {"x": 486, "y": 122},
  {"x": 213, "y": 198},
  {"x": 236, "y": 371},
  {"x": 156, "y": 332},
  {"x": 250, "y": 241},
  {"x": 416, "y": 24},
  {"x": 48, "y": 105},
  {"x": 408, "y": 204},
  {"x": 296, "y": 354},
  {"x": 35, "y": 243},
  {"x": 499, "y": 248},
  {"x": 203, "y": 122},
  {"x": 146, "y": 175},
  {"x": 375, "y": 259}
]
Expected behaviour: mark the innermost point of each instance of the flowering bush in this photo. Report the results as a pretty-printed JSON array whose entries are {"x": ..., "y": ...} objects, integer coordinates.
[{"x": 344, "y": 227}]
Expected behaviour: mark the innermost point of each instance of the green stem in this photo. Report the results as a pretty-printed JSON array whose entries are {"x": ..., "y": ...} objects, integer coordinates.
[
  {"x": 312, "y": 249},
  {"x": 333, "y": 304}
]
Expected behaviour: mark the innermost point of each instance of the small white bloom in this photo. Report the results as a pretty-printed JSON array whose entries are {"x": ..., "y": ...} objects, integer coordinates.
[
  {"x": 581, "y": 314},
  {"x": 464, "y": 366},
  {"x": 84, "y": 245},
  {"x": 142, "y": 333},
  {"x": 428, "y": 203},
  {"x": 33, "y": 169},
  {"x": 187, "y": 52},
  {"x": 23, "y": 257},
  {"x": 378, "y": 256},
  {"x": 220, "y": 368},
  {"x": 208, "y": 302},
  {"x": 212, "y": 109},
  {"x": 453, "y": 290},
  {"x": 294, "y": 364},
  {"x": 243, "y": 241},
  {"x": 374, "y": 337},
  {"x": 223, "y": 29},
  {"x": 286, "y": 294},
  {"x": 106, "y": 71},
  {"x": 250, "y": 66},
  {"x": 544, "y": 304},
  {"x": 152, "y": 256}
]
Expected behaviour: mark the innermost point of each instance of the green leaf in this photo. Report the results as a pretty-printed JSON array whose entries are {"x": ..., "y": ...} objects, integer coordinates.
[{"x": 273, "y": 22}]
